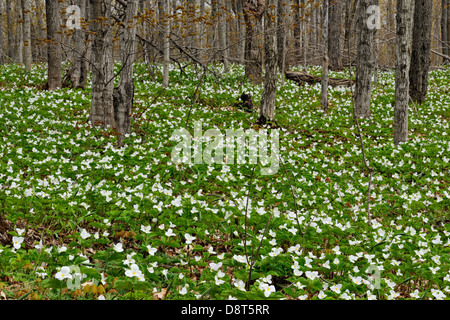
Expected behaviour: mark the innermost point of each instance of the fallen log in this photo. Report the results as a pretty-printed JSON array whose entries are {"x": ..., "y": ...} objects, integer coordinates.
[{"x": 302, "y": 77}]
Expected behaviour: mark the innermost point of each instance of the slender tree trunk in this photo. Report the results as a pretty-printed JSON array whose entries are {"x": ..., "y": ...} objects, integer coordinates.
[
  {"x": 268, "y": 98},
  {"x": 202, "y": 33},
  {"x": 27, "y": 34},
  {"x": 213, "y": 34},
  {"x": 253, "y": 11},
  {"x": 304, "y": 35},
  {"x": 448, "y": 29},
  {"x": 79, "y": 71},
  {"x": 102, "y": 109},
  {"x": 334, "y": 36},
  {"x": 9, "y": 23},
  {"x": 2, "y": 39},
  {"x": 391, "y": 26},
  {"x": 324, "y": 95},
  {"x": 404, "y": 32},
  {"x": 124, "y": 93},
  {"x": 312, "y": 37},
  {"x": 54, "y": 45},
  {"x": 297, "y": 30},
  {"x": 42, "y": 34},
  {"x": 364, "y": 61},
  {"x": 161, "y": 20},
  {"x": 350, "y": 15},
  {"x": 281, "y": 35},
  {"x": 421, "y": 45},
  {"x": 19, "y": 39},
  {"x": 241, "y": 31},
  {"x": 223, "y": 34},
  {"x": 444, "y": 30},
  {"x": 375, "y": 52},
  {"x": 166, "y": 43},
  {"x": 190, "y": 7}
]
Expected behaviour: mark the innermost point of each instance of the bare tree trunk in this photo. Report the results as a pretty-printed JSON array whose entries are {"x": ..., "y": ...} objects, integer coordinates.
[
  {"x": 166, "y": 44},
  {"x": 9, "y": 23},
  {"x": 202, "y": 32},
  {"x": 253, "y": 12},
  {"x": 324, "y": 95},
  {"x": 364, "y": 61},
  {"x": 190, "y": 8},
  {"x": 334, "y": 36},
  {"x": 297, "y": 30},
  {"x": 223, "y": 34},
  {"x": 241, "y": 31},
  {"x": 54, "y": 45},
  {"x": 42, "y": 35},
  {"x": 304, "y": 33},
  {"x": 79, "y": 71},
  {"x": 281, "y": 35},
  {"x": 19, "y": 39},
  {"x": 404, "y": 32},
  {"x": 312, "y": 31},
  {"x": 268, "y": 98},
  {"x": 2, "y": 39},
  {"x": 102, "y": 110},
  {"x": 27, "y": 34},
  {"x": 213, "y": 34},
  {"x": 391, "y": 26},
  {"x": 375, "y": 52},
  {"x": 124, "y": 93},
  {"x": 421, "y": 45},
  {"x": 444, "y": 30},
  {"x": 350, "y": 14},
  {"x": 448, "y": 29}
]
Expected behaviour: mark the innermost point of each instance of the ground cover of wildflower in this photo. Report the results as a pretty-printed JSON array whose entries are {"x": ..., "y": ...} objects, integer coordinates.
[{"x": 84, "y": 219}]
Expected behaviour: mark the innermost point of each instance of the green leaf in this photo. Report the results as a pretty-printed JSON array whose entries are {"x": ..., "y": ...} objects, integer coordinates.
[
  {"x": 55, "y": 284},
  {"x": 123, "y": 284},
  {"x": 142, "y": 285}
]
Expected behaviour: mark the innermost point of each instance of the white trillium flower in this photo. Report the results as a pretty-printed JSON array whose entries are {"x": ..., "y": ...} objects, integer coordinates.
[{"x": 64, "y": 273}]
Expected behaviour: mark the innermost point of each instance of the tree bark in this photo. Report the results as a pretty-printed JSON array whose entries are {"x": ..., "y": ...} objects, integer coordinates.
[
  {"x": 364, "y": 61},
  {"x": 448, "y": 29},
  {"x": 222, "y": 30},
  {"x": 241, "y": 32},
  {"x": 253, "y": 12},
  {"x": 102, "y": 110},
  {"x": 334, "y": 35},
  {"x": 41, "y": 26},
  {"x": 297, "y": 30},
  {"x": 79, "y": 71},
  {"x": 124, "y": 93},
  {"x": 268, "y": 98},
  {"x": 391, "y": 26},
  {"x": 281, "y": 35},
  {"x": 421, "y": 45},
  {"x": 404, "y": 32},
  {"x": 9, "y": 18},
  {"x": 213, "y": 33},
  {"x": 444, "y": 30},
  {"x": 202, "y": 33},
  {"x": 324, "y": 94},
  {"x": 375, "y": 52},
  {"x": 165, "y": 9},
  {"x": 2, "y": 39},
  {"x": 27, "y": 57},
  {"x": 54, "y": 55},
  {"x": 19, "y": 38}
]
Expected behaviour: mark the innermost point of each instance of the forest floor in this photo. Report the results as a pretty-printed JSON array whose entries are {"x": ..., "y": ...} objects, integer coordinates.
[{"x": 81, "y": 218}]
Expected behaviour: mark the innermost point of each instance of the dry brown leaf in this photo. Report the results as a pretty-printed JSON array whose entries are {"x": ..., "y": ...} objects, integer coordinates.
[{"x": 159, "y": 295}]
